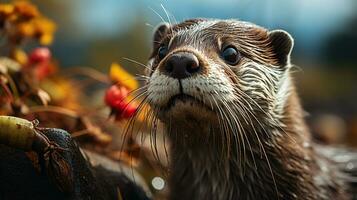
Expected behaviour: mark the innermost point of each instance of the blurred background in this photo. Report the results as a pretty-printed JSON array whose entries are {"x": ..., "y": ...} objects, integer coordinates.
[{"x": 95, "y": 33}]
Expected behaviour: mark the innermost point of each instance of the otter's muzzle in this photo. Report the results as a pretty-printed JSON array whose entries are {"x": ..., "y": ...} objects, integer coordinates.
[{"x": 181, "y": 65}]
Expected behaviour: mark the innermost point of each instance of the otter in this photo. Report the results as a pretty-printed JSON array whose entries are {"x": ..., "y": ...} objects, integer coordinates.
[{"x": 224, "y": 91}]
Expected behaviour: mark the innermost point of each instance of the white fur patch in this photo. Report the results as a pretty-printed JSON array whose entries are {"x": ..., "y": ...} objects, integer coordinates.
[
  {"x": 284, "y": 89},
  {"x": 265, "y": 84},
  {"x": 161, "y": 87},
  {"x": 209, "y": 88}
]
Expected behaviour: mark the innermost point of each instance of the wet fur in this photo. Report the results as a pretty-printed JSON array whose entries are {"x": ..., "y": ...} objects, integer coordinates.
[{"x": 244, "y": 136}]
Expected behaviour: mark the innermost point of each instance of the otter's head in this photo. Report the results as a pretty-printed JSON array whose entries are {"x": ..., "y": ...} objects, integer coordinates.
[{"x": 211, "y": 70}]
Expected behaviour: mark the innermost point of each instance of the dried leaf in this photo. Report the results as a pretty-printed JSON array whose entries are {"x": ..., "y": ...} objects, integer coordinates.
[
  {"x": 11, "y": 65},
  {"x": 3, "y": 79},
  {"x": 33, "y": 156},
  {"x": 96, "y": 132},
  {"x": 58, "y": 169},
  {"x": 44, "y": 97},
  {"x": 3, "y": 69}
]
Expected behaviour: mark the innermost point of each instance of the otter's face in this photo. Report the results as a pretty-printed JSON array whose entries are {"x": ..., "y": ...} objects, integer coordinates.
[{"x": 206, "y": 70}]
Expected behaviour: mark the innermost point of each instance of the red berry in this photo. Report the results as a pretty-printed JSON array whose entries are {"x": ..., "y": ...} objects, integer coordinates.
[
  {"x": 126, "y": 112},
  {"x": 42, "y": 70},
  {"x": 115, "y": 96},
  {"x": 129, "y": 111},
  {"x": 40, "y": 54}
]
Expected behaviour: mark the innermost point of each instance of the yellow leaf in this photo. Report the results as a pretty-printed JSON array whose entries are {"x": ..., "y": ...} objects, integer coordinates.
[
  {"x": 20, "y": 56},
  {"x": 122, "y": 77},
  {"x": 26, "y": 9},
  {"x": 58, "y": 89},
  {"x": 46, "y": 39},
  {"x": 26, "y": 29},
  {"x": 45, "y": 28},
  {"x": 6, "y": 9}
]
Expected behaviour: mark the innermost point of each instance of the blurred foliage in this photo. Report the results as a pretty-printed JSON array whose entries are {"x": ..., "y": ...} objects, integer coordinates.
[
  {"x": 81, "y": 100},
  {"x": 21, "y": 22}
]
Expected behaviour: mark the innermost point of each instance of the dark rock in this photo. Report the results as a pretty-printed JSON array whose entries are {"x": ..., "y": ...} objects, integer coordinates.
[{"x": 19, "y": 179}]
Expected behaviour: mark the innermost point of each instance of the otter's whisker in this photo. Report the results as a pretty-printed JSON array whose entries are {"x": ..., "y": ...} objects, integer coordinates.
[
  {"x": 149, "y": 25},
  {"x": 167, "y": 14},
  {"x": 276, "y": 123},
  {"x": 264, "y": 152},
  {"x": 222, "y": 124},
  {"x": 226, "y": 131},
  {"x": 162, "y": 19},
  {"x": 242, "y": 130},
  {"x": 137, "y": 62}
]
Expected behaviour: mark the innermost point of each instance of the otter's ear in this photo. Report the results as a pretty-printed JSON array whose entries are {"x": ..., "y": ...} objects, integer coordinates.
[
  {"x": 160, "y": 31},
  {"x": 282, "y": 43}
]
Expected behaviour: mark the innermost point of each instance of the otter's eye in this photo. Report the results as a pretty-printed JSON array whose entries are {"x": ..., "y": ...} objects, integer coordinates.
[
  {"x": 162, "y": 52},
  {"x": 231, "y": 55}
]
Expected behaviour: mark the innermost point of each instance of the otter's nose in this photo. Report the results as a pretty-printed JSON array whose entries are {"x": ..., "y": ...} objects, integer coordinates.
[{"x": 182, "y": 65}]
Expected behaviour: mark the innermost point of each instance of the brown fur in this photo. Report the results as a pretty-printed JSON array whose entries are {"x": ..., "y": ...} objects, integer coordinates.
[
  {"x": 274, "y": 158},
  {"x": 200, "y": 170}
]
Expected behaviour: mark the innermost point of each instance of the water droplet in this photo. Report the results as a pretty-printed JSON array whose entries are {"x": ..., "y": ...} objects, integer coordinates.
[
  {"x": 324, "y": 168},
  {"x": 306, "y": 144},
  {"x": 158, "y": 183},
  {"x": 350, "y": 166}
]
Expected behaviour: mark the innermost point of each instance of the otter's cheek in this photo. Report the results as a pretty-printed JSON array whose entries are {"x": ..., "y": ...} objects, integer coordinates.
[
  {"x": 213, "y": 88},
  {"x": 161, "y": 88},
  {"x": 262, "y": 84}
]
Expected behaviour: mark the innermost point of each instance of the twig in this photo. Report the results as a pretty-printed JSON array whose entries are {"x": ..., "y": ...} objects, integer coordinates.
[
  {"x": 87, "y": 71},
  {"x": 79, "y": 133},
  {"x": 56, "y": 109}
]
